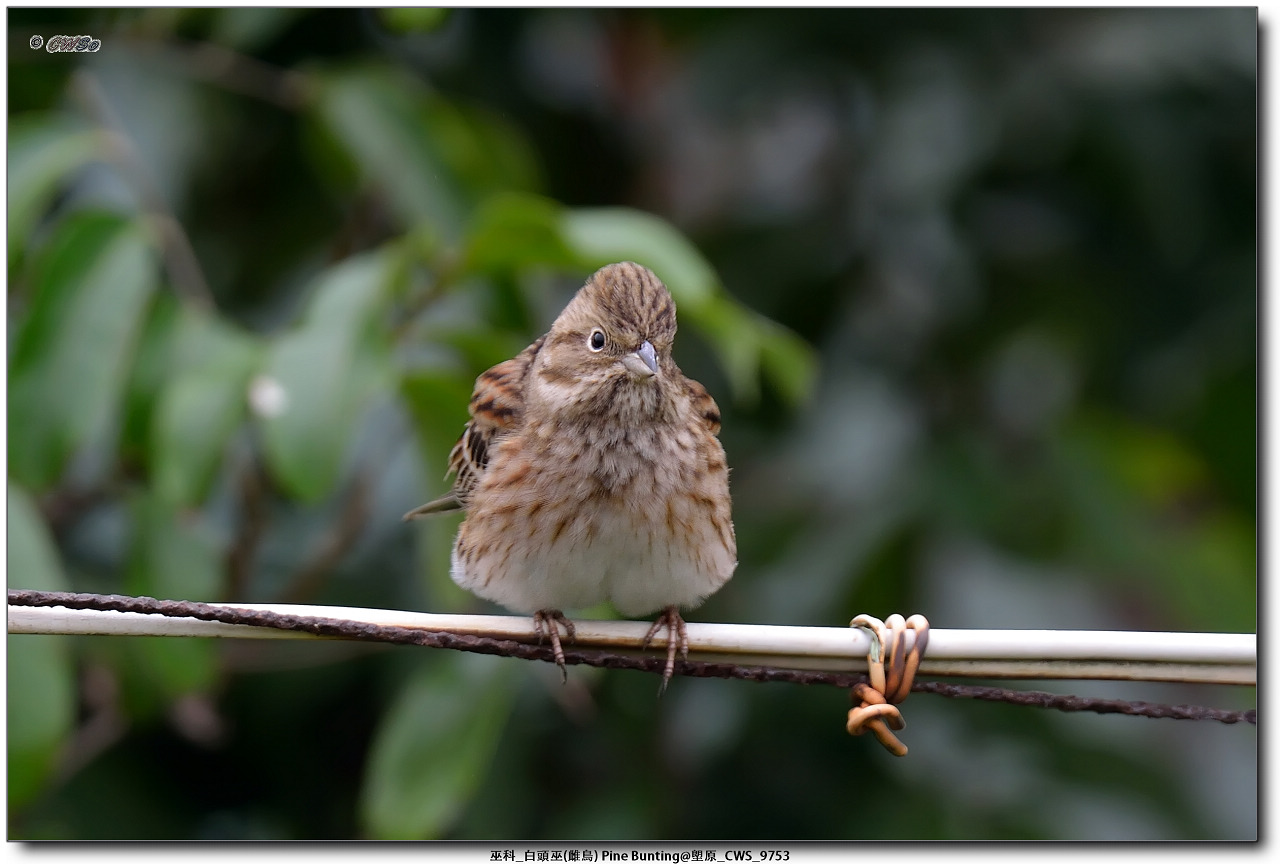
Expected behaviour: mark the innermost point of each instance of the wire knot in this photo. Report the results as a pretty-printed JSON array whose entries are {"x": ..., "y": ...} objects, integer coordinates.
[{"x": 875, "y": 710}]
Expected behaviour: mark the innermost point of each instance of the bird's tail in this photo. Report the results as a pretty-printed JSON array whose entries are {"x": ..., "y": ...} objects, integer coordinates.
[{"x": 444, "y": 504}]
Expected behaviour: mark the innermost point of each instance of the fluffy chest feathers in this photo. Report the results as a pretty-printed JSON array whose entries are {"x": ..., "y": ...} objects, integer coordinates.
[
  {"x": 572, "y": 514},
  {"x": 609, "y": 463}
]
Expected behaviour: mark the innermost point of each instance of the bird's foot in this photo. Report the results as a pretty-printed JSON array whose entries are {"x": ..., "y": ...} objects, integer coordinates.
[
  {"x": 545, "y": 624},
  {"x": 677, "y": 637}
]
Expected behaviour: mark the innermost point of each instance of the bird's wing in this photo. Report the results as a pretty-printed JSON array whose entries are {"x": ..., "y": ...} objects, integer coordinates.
[
  {"x": 496, "y": 407},
  {"x": 704, "y": 407}
]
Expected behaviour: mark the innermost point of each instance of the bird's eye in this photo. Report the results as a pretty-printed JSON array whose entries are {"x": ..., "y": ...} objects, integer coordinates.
[{"x": 596, "y": 341}]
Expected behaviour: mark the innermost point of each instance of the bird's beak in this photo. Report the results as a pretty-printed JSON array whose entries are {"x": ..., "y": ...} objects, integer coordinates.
[{"x": 643, "y": 362}]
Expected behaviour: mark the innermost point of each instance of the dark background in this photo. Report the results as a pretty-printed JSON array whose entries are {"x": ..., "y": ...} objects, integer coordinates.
[{"x": 975, "y": 290}]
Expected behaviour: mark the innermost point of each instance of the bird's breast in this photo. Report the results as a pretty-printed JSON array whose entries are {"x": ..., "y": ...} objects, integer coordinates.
[
  {"x": 616, "y": 462},
  {"x": 567, "y": 517}
]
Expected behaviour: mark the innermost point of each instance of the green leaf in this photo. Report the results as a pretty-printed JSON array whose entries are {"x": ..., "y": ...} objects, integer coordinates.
[
  {"x": 435, "y": 745},
  {"x": 44, "y": 150},
  {"x": 41, "y": 676},
  {"x": 42, "y": 703},
  {"x": 33, "y": 558},
  {"x": 152, "y": 367},
  {"x": 407, "y": 19},
  {"x": 330, "y": 367},
  {"x": 1126, "y": 488},
  {"x": 489, "y": 156},
  {"x": 202, "y": 405},
  {"x": 600, "y": 236},
  {"x": 512, "y": 232},
  {"x": 734, "y": 335},
  {"x": 172, "y": 555},
  {"x": 749, "y": 344},
  {"x": 348, "y": 297},
  {"x": 381, "y": 122},
  {"x": 789, "y": 361},
  {"x": 1213, "y": 571},
  {"x": 71, "y": 354},
  {"x": 437, "y": 402},
  {"x": 156, "y": 670},
  {"x": 306, "y": 442}
]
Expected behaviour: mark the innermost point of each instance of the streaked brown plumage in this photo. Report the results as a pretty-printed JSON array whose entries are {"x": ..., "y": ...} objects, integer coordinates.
[{"x": 590, "y": 470}]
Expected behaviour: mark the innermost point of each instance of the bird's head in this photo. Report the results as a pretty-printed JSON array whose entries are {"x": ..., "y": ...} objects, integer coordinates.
[{"x": 609, "y": 352}]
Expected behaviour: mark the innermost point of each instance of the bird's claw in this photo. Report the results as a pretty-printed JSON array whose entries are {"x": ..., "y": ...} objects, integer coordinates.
[
  {"x": 545, "y": 624},
  {"x": 677, "y": 637}
]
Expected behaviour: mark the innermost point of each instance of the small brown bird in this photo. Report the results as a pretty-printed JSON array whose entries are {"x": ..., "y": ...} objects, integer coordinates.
[{"x": 590, "y": 470}]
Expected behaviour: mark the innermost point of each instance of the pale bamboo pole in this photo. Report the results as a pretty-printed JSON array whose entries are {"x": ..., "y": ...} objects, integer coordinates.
[{"x": 1216, "y": 658}]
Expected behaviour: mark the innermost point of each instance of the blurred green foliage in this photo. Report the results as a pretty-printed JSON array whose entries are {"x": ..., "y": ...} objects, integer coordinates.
[{"x": 976, "y": 292}]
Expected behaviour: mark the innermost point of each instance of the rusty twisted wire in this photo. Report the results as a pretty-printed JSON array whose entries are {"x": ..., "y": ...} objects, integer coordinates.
[{"x": 355, "y": 630}]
